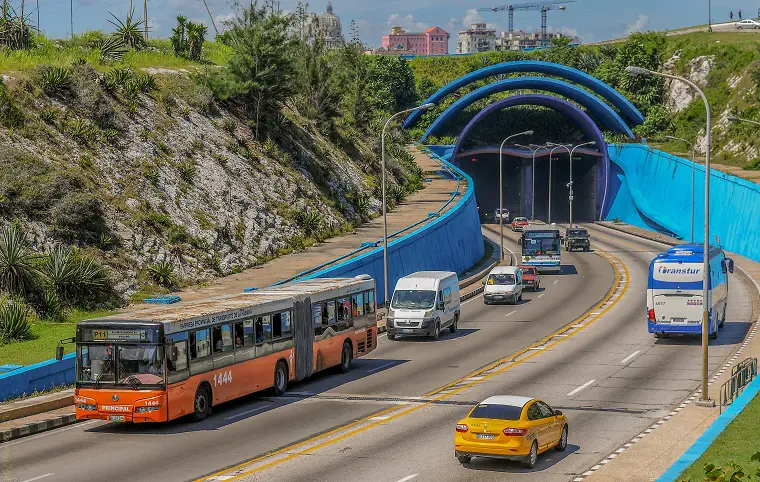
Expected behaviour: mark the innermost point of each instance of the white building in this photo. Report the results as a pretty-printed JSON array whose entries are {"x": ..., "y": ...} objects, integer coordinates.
[
  {"x": 478, "y": 38},
  {"x": 521, "y": 40},
  {"x": 328, "y": 27}
]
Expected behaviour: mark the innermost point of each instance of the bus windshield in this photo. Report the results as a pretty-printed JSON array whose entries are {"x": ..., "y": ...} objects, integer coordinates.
[
  {"x": 123, "y": 364},
  {"x": 541, "y": 246},
  {"x": 413, "y": 300}
]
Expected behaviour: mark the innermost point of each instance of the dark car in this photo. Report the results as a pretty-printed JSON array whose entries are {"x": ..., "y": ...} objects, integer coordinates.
[{"x": 577, "y": 238}]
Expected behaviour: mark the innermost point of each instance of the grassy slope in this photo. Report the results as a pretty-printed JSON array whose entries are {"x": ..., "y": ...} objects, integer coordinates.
[{"x": 737, "y": 443}]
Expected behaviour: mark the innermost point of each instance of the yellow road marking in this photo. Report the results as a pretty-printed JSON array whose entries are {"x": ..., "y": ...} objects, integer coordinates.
[{"x": 586, "y": 316}]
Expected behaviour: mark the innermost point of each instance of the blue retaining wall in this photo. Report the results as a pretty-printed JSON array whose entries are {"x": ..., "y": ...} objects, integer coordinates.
[
  {"x": 37, "y": 377},
  {"x": 452, "y": 242},
  {"x": 652, "y": 189}
]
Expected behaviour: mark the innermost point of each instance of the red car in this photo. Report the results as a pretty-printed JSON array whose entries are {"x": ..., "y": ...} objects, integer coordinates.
[
  {"x": 519, "y": 223},
  {"x": 530, "y": 278}
]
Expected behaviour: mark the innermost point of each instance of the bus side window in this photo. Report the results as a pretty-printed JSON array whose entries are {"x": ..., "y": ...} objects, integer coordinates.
[
  {"x": 286, "y": 330},
  {"x": 369, "y": 302},
  {"x": 248, "y": 337},
  {"x": 178, "y": 342},
  {"x": 344, "y": 309},
  {"x": 200, "y": 345},
  {"x": 222, "y": 336},
  {"x": 238, "y": 334},
  {"x": 357, "y": 302}
]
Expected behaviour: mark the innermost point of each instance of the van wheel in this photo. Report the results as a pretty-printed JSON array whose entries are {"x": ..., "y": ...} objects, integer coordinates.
[
  {"x": 346, "y": 357},
  {"x": 520, "y": 298},
  {"x": 391, "y": 336},
  {"x": 202, "y": 403},
  {"x": 453, "y": 327},
  {"x": 280, "y": 379},
  {"x": 437, "y": 331}
]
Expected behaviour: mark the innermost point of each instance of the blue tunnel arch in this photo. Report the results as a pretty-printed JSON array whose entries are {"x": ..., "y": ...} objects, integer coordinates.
[
  {"x": 626, "y": 108},
  {"x": 572, "y": 112},
  {"x": 606, "y": 115}
]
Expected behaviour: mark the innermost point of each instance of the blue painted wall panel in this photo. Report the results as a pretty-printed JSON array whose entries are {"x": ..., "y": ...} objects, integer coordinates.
[
  {"x": 37, "y": 377},
  {"x": 653, "y": 191}
]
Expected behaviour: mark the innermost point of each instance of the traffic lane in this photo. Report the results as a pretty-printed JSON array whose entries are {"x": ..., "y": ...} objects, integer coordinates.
[
  {"x": 486, "y": 333},
  {"x": 229, "y": 429}
]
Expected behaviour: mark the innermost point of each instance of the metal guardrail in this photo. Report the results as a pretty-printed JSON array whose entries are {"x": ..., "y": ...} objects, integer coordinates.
[
  {"x": 373, "y": 244},
  {"x": 741, "y": 375}
]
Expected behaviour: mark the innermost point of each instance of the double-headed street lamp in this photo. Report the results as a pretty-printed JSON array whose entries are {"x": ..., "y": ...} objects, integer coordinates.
[
  {"x": 556, "y": 146},
  {"x": 501, "y": 188},
  {"x": 533, "y": 148},
  {"x": 570, "y": 184},
  {"x": 733, "y": 118},
  {"x": 632, "y": 70},
  {"x": 385, "y": 206},
  {"x": 693, "y": 169}
]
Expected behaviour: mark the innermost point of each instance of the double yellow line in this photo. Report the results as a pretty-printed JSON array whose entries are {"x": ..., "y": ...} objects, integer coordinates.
[{"x": 481, "y": 373}]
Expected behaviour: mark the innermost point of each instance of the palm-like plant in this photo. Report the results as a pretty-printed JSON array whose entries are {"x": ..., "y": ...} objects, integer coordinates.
[
  {"x": 17, "y": 272},
  {"x": 14, "y": 321},
  {"x": 310, "y": 221},
  {"x": 363, "y": 205},
  {"x": 112, "y": 48},
  {"x": 163, "y": 274},
  {"x": 129, "y": 31},
  {"x": 72, "y": 277}
]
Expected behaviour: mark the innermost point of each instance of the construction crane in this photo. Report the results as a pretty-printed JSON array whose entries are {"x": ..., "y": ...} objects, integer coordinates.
[{"x": 542, "y": 6}]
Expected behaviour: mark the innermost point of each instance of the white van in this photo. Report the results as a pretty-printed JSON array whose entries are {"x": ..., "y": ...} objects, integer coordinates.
[
  {"x": 423, "y": 304},
  {"x": 504, "y": 283}
]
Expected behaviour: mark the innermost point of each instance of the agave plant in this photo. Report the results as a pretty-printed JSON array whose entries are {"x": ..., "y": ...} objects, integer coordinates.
[
  {"x": 54, "y": 79},
  {"x": 51, "y": 307},
  {"x": 363, "y": 206},
  {"x": 117, "y": 79},
  {"x": 14, "y": 321},
  {"x": 310, "y": 221},
  {"x": 17, "y": 272},
  {"x": 112, "y": 48},
  {"x": 73, "y": 277},
  {"x": 129, "y": 31},
  {"x": 145, "y": 83},
  {"x": 397, "y": 194},
  {"x": 163, "y": 274}
]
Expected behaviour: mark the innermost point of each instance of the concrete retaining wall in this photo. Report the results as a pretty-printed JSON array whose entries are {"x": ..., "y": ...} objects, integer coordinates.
[
  {"x": 652, "y": 189},
  {"x": 453, "y": 242},
  {"x": 40, "y": 376}
]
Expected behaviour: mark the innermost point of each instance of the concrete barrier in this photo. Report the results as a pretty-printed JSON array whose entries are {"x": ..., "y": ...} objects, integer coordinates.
[
  {"x": 38, "y": 377},
  {"x": 651, "y": 189}
]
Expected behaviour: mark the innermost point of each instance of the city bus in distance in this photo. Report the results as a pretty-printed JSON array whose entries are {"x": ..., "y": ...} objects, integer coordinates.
[
  {"x": 160, "y": 364},
  {"x": 541, "y": 246},
  {"x": 674, "y": 291}
]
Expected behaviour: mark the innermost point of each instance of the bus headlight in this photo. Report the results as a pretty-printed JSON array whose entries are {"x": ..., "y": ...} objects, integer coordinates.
[
  {"x": 147, "y": 409},
  {"x": 91, "y": 407}
]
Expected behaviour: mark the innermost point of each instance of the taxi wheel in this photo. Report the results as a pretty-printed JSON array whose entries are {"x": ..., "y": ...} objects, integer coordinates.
[
  {"x": 464, "y": 459},
  {"x": 532, "y": 458},
  {"x": 201, "y": 403},
  {"x": 562, "y": 444}
]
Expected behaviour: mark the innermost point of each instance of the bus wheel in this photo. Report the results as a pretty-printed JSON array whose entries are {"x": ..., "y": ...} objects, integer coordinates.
[
  {"x": 346, "y": 357},
  {"x": 723, "y": 319},
  {"x": 280, "y": 379},
  {"x": 713, "y": 335},
  {"x": 202, "y": 403}
]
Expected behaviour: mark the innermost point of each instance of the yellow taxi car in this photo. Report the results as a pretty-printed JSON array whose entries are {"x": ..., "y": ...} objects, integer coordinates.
[{"x": 509, "y": 427}]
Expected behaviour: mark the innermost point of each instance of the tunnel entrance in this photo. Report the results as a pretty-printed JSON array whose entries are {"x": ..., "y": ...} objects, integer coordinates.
[{"x": 484, "y": 170}]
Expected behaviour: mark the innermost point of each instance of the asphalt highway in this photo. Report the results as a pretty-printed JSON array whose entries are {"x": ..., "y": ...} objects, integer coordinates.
[{"x": 400, "y": 423}]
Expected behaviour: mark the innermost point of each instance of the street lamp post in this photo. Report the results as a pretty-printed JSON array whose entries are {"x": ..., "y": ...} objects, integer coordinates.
[
  {"x": 733, "y": 118},
  {"x": 592, "y": 143},
  {"x": 632, "y": 70},
  {"x": 385, "y": 206},
  {"x": 533, "y": 177},
  {"x": 693, "y": 169},
  {"x": 556, "y": 146},
  {"x": 501, "y": 189}
]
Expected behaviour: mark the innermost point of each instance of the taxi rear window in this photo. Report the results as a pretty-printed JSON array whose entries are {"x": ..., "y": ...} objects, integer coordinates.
[{"x": 497, "y": 412}]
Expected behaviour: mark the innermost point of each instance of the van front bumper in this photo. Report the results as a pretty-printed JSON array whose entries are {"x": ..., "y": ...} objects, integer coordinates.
[
  {"x": 426, "y": 328},
  {"x": 500, "y": 297}
]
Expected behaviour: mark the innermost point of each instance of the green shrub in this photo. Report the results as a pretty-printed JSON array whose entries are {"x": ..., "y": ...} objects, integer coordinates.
[
  {"x": 78, "y": 216},
  {"x": 310, "y": 220},
  {"x": 77, "y": 279},
  {"x": 112, "y": 48},
  {"x": 81, "y": 130},
  {"x": 145, "y": 83},
  {"x": 14, "y": 321},
  {"x": 117, "y": 79},
  {"x": 111, "y": 136},
  {"x": 49, "y": 115},
  {"x": 187, "y": 170},
  {"x": 50, "y": 306},
  {"x": 53, "y": 80},
  {"x": 163, "y": 274},
  {"x": 10, "y": 115},
  {"x": 17, "y": 271},
  {"x": 230, "y": 125},
  {"x": 363, "y": 206}
]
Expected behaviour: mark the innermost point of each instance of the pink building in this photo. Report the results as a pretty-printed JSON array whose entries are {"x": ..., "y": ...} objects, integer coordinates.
[{"x": 434, "y": 41}]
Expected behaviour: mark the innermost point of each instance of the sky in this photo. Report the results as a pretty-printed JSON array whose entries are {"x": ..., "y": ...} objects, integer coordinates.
[{"x": 590, "y": 20}]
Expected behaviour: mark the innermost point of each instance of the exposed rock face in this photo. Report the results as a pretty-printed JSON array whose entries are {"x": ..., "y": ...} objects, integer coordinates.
[{"x": 697, "y": 70}]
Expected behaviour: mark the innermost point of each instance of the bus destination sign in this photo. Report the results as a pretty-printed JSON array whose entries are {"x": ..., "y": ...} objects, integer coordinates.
[{"x": 119, "y": 335}]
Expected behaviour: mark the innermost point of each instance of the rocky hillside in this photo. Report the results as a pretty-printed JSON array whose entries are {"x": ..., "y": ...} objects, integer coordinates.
[{"x": 145, "y": 171}]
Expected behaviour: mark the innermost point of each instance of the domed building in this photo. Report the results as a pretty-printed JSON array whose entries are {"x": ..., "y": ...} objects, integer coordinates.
[{"x": 328, "y": 27}]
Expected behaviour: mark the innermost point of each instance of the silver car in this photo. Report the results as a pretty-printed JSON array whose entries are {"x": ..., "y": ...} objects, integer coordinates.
[{"x": 504, "y": 213}]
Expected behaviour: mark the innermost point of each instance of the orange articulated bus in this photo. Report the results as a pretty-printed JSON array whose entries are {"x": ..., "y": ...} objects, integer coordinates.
[{"x": 161, "y": 364}]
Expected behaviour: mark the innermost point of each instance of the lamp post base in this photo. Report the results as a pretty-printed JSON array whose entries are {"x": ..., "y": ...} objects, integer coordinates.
[{"x": 709, "y": 403}]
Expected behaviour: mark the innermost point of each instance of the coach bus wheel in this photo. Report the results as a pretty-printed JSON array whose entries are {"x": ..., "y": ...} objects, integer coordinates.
[
  {"x": 346, "y": 358},
  {"x": 202, "y": 403},
  {"x": 280, "y": 379}
]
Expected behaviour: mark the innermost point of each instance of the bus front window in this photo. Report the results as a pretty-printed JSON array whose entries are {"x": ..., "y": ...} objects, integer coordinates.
[
  {"x": 541, "y": 246},
  {"x": 141, "y": 363},
  {"x": 96, "y": 363}
]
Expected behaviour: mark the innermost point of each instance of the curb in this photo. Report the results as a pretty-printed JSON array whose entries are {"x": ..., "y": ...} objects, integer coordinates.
[{"x": 37, "y": 427}]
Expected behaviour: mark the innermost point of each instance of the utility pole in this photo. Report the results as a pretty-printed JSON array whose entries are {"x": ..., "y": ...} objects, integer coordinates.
[
  {"x": 38, "y": 17},
  {"x": 71, "y": 16},
  {"x": 211, "y": 17},
  {"x": 145, "y": 18}
]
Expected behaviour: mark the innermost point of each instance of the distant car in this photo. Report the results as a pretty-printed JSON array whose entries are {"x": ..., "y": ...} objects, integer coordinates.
[
  {"x": 748, "y": 23},
  {"x": 509, "y": 427},
  {"x": 504, "y": 213},
  {"x": 519, "y": 223},
  {"x": 531, "y": 278},
  {"x": 577, "y": 238}
]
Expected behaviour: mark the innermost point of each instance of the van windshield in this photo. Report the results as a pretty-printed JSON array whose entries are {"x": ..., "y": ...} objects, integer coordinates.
[
  {"x": 501, "y": 279},
  {"x": 413, "y": 300}
]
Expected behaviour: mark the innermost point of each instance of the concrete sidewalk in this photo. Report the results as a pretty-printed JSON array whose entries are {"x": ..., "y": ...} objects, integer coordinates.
[
  {"x": 414, "y": 209},
  {"x": 648, "y": 455}
]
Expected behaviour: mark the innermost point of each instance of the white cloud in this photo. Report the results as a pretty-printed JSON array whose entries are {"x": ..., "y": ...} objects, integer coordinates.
[
  {"x": 222, "y": 19},
  {"x": 567, "y": 31},
  {"x": 453, "y": 23},
  {"x": 641, "y": 23},
  {"x": 407, "y": 22},
  {"x": 472, "y": 16}
]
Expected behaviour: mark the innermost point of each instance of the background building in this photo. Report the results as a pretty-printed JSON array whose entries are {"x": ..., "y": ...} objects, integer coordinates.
[
  {"x": 478, "y": 38},
  {"x": 433, "y": 41},
  {"x": 327, "y": 26},
  {"x": 521, "y": 40}
]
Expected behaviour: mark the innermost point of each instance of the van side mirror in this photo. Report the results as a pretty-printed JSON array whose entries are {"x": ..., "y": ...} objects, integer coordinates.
[
  {"x": 483, "y": 282},
  {"x": 441, "y": 306},
  {"x": 174, "y": 353}
]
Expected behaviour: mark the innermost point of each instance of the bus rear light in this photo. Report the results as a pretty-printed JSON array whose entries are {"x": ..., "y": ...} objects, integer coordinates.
[
  {"x": 520, "y": 432},
  {"x": 651, "y": 315},
  {"x": 462, "y": 428}
]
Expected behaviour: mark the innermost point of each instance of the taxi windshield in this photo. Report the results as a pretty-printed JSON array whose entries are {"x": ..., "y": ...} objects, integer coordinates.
[
  {"x": 496, "y": 412},
  {"x": 501, "y": 279}
]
